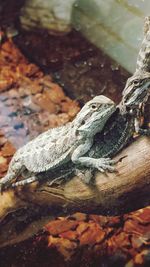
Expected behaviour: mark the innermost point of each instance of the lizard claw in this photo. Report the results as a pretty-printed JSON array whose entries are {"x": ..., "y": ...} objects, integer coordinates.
[{"x": 105, "y": 164}]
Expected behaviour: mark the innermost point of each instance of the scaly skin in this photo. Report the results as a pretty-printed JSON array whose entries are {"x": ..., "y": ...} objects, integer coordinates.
[
  {"x": 58, "y": 146},
  {"x": 143, "y": 59},
  {"x": 137, "y": 89},
  {"x": 120, "y": 127},
  {"x": 117, "y": 132}
]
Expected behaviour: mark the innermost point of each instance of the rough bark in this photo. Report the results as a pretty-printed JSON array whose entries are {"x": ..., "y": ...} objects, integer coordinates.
[{"x": 27, "y": 209}]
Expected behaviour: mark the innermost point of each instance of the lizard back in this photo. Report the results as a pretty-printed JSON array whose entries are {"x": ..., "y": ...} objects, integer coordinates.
[{"x": 48, "y": 150}]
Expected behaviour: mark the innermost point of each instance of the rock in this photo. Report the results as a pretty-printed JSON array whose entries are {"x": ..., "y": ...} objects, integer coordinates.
[{"x": 53, "y": 16}]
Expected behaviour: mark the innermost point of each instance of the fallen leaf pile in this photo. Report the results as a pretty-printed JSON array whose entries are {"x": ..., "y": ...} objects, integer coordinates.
[
  {"x": 30, "y": 102},
  {"x": 87, "y": 240},
  {"x": 6, "y": 152},
  {"x": 123, "y": 238}
]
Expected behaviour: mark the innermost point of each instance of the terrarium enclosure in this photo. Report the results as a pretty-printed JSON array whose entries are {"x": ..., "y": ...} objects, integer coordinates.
[{"x": 55, "y": 55}]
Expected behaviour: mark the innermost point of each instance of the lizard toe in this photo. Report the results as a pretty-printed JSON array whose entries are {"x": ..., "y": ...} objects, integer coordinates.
[
  {"x": 105, "y": 159},
  {"x": 101, "y": 169},
  {"x": 113, "y": 162},
  {"x": 109, "y": 161},
  {"x": 110, "y": 168}
]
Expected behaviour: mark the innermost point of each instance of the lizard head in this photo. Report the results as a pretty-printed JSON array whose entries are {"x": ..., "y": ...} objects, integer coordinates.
[
  {"x": 94, "y": 114},
  {"x": 136, "y": 91}
]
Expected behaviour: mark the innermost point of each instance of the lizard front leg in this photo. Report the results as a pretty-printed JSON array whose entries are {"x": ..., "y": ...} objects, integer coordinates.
[{"x": 102, "y": 164}]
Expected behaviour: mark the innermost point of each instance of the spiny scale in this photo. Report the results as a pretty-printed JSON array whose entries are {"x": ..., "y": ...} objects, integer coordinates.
[{"x": 143, "y": 60}]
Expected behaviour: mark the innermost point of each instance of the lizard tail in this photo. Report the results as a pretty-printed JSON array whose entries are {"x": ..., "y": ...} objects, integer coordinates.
[
  {"x": 25, "y": 181},
  {"x": 32, "y": 179}
]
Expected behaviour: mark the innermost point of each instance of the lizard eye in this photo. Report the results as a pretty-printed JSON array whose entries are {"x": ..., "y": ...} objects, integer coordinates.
[
  {"x": 136, "y": 82},
  {"x": 94, "y": 106}
]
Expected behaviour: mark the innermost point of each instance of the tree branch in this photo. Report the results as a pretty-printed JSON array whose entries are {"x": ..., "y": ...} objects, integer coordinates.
[{"x": 27, "y": 209}]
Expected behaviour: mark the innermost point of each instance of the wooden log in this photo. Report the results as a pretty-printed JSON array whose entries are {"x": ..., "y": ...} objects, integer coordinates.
[{"x": 27, "y": 209}]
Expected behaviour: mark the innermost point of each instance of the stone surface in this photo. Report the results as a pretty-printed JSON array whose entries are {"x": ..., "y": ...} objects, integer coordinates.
[{"x": 54, "y": 16}]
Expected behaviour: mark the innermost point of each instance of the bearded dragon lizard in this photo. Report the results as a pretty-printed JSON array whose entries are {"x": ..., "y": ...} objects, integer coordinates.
[
  {"x": 120, "y": 126},
  {"x": 137, "y": 89},
  {"x": 57, "y": 146},
  {"x": 125, "y": 121}
]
